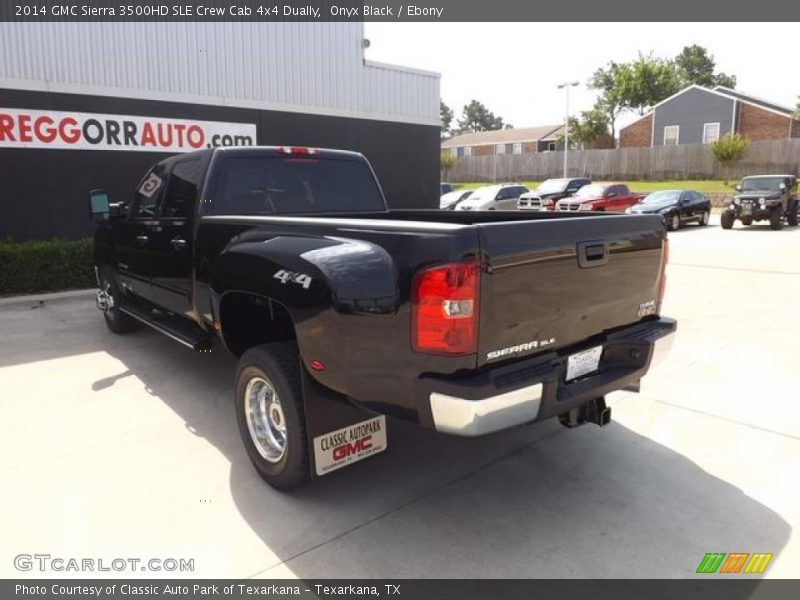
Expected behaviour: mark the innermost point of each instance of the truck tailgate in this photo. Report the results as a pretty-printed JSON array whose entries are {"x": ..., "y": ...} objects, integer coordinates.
[{"x": 548, "y": 284}]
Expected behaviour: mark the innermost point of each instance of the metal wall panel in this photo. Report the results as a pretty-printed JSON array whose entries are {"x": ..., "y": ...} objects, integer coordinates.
[{"x": 300, "y": 67}]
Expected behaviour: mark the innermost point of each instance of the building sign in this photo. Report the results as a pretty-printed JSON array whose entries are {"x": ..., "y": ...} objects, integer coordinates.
[{"x": 47, "y": 129}]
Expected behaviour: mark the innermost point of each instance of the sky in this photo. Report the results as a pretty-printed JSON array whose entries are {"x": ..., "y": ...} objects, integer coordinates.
[{"x": 513, "y": 68}]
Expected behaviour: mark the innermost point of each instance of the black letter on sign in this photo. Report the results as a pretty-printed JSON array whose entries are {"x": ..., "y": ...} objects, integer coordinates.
[
  {"x": 93, "y": 131},
  {"x": 112, "y": 132},
  {"x": 129, "y": 131}
]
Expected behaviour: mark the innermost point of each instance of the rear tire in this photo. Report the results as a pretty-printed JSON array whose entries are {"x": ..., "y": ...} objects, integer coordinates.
[
  {"x": 116, "y": 320},
  {"x": 726, "y": 219},
  {"x": 269, "y": 411},
  {"x": 776, "y": 221}
]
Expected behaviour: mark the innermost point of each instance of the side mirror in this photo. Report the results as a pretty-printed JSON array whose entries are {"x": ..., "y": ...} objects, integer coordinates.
[
  {"x": 738, "y": 187},
  {"x": 783, "y": 186},
  {"x": 98, "y": 205},
  {"x": 610, "y": 195}
]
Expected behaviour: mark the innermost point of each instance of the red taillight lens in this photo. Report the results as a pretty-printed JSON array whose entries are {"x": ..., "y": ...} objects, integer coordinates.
[
  {"x": 662, "y": 286},
  {"x": 444, "y": 309},
  {"x": 297, "y": 150}
]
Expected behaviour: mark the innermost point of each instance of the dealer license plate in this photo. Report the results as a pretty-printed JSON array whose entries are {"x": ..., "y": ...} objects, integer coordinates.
[
  {"x": 337, "y": 449},
  {"x": 582, "y": 363}
]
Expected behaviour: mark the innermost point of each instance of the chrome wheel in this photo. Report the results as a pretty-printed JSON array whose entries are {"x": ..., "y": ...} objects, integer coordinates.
[
  {"x": 676, "y": 222},
  {"x": 706, "y": 217},
  {"x": 265, "y": 419}
]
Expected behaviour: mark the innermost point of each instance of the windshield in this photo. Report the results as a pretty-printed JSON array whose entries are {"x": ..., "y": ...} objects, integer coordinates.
[
  {"x": 772, "y": 184},
  {"x": 267, "y": 185},
  {"x": 552, "y": 185},
  {"x": 590, "y": 191},
  {"x": 664, "y": 197},
  {"x": 481, "y": 195}
]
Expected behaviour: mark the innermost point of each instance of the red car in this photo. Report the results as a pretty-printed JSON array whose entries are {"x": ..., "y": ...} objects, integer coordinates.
[{"x": 610, "y": 197}]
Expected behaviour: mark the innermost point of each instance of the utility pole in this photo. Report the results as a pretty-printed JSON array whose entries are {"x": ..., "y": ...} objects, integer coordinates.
[{"x": 565, "y": 86}]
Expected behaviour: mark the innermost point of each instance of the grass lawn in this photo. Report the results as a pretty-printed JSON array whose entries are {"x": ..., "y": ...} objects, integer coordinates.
[{"x": 703, "y": 185}]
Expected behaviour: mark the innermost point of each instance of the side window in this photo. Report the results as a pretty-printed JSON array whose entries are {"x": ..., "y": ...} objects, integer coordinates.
[
  {"x": 148, "y": 194},
  {"x": 182, "y": 190},
  {"x": 622, "y": 190}
]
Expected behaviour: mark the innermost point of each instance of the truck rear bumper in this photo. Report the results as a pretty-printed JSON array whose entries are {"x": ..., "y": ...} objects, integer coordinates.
[{"x": 535, "y": 389}]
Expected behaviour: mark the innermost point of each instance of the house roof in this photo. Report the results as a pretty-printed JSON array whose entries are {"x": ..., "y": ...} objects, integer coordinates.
[
  {"x": 504, "y": 136},
  {"x": 727, "y": 93},
  {"x": 749, "y": 98}
]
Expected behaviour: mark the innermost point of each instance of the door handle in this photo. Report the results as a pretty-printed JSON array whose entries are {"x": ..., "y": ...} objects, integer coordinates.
[
  {"x": 592, "y": 254},
  {"x": 142, "y": 239},
  {"x": 178, "y": 243}
]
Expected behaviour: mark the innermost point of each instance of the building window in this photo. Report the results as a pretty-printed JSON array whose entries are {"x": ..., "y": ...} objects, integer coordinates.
[
  {"x": 467, "y": 150},
  {"x": 455, "y": 152},
  {"x": 500, "y": 149},
  {"x": 710, "y": 132},
  {"x": 551, "y": 146},
  {"x": 517, "y": 148},
  {"x": 671, "y": 133}
]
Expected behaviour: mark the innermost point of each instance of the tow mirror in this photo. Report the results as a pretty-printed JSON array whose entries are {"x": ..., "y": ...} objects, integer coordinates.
[
  {"x": 98, "y": 205},
  {"x": 783, "y": 186},
  {"x": 738, "y": 187}
]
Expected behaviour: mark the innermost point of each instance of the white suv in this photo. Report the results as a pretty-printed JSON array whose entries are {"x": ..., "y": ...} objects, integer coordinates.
[{"x": 494, "y": 197}]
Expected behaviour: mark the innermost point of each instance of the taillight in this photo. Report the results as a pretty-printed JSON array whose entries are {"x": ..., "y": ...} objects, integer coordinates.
[
  {"x": 297, "y": 150},
  {"x": 662, "y": 285},
  {"x": 444, "y": 309}
]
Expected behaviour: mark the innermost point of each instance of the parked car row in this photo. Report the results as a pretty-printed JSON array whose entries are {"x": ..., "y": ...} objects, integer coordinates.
[{"x": 759, "y": 198}]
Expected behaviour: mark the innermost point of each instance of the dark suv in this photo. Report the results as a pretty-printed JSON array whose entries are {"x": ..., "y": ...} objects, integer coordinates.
[{"x": 763, "y": 197}]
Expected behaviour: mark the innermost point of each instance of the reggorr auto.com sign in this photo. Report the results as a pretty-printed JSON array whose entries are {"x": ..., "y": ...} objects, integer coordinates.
[{"x": 43, "y": 129}]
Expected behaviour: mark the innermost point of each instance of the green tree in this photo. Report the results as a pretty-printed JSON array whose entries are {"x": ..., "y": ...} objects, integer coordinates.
[
  {"x": 646, "y": 82},
  {"x": 476, "y": 117},
  {"x": 696, "y": 66},
  {"x": 605, "y": 80},
  {"x": 729, "y": 150},
  {"x": 447, "y": 160},
  {"x": 588, "y": 127},
  {"x": 446, "y": 114}
]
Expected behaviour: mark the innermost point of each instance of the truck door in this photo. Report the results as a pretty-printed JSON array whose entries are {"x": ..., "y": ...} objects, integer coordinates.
[
  {"x": 172, "y": 241},
  {"x": 134, "y": 258}
]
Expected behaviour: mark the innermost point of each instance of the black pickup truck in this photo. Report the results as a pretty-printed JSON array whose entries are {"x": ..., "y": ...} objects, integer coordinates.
[{"x": 343, "y": 312}]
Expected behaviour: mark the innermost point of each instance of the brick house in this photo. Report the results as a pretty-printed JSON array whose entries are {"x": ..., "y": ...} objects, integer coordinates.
[
  {"x": 699, "y": 115},
  {"x": 524, "y": 140}
]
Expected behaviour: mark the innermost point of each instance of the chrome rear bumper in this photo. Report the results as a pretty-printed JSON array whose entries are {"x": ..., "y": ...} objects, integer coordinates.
[
  {"x": 469, "y": 408},
  {"x": 477, "y": 417}
]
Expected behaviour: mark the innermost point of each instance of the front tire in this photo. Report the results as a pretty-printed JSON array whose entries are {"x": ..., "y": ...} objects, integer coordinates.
[
  {"x": 776, "y": 220},
  {"x": 269, "y": 412},
  {"x": 704, "y": 219},
  {"x": 791, "y": 217},
  {"x": 726, "y": 219},
  {"x": 116, "y": 320},
  {"x": 673, "y": 222}
]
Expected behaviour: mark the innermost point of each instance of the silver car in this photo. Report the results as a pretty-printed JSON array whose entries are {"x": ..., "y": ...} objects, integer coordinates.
[{"x": 502, "y": 196}]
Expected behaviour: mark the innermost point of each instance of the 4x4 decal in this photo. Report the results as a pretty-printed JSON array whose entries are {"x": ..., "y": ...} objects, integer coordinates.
[{"x": 299, "y": 278}]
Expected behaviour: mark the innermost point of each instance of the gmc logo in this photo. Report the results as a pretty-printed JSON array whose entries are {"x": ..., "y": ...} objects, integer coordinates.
[{"x": 347, "y": 449}]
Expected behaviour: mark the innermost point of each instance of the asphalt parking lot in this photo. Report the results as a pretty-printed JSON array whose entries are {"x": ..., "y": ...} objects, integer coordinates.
[{"x": 127, "y": 446}]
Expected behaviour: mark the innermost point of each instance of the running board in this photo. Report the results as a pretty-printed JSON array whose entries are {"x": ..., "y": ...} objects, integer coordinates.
[{"x": 173, "y": 327}]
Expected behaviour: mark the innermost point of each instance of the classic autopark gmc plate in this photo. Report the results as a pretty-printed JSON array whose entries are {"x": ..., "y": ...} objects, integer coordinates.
[{"x": 583, "y": 363}]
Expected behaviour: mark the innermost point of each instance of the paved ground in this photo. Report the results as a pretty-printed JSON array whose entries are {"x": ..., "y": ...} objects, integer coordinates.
[{"x": 127, "y": 447}]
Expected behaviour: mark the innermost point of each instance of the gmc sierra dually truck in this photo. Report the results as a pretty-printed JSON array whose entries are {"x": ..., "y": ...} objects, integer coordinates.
[{"x": 343, "y": 312}]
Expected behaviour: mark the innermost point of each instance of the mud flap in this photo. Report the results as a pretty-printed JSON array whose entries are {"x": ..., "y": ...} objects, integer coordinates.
[{"x": 339, "y": 433}]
